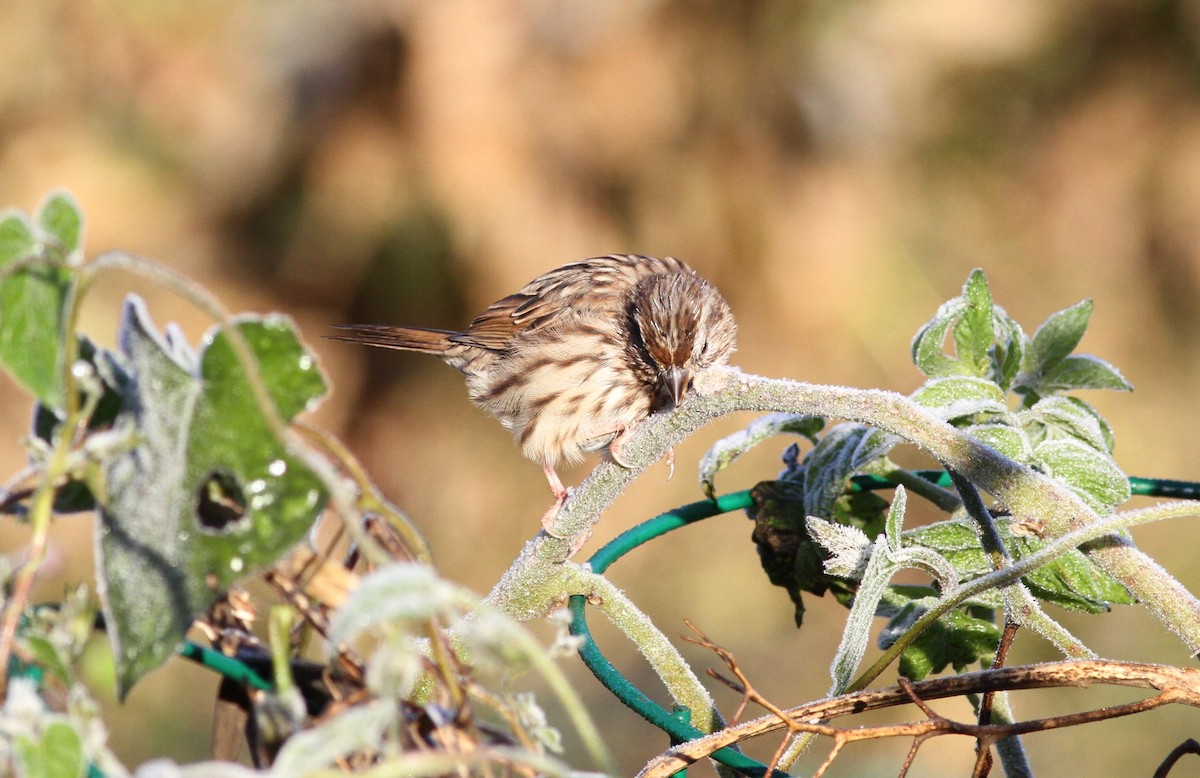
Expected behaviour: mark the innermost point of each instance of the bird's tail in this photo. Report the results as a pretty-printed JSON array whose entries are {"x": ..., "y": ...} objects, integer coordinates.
[{"x": 400, "y": 338}]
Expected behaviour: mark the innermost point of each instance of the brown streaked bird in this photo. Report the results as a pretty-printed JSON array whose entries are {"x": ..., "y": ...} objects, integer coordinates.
[{"x": 581, "y": 354}]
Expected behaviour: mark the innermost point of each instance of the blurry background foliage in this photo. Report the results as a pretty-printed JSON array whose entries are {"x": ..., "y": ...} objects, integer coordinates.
[{"x": 836, "y": 168}]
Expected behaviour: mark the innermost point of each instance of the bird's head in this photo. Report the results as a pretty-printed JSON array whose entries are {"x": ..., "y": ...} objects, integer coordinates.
[{"x": 680, "y": 325}]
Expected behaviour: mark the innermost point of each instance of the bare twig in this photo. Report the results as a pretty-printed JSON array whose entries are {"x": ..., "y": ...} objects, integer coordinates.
[{"x": 1175, "y": 685}]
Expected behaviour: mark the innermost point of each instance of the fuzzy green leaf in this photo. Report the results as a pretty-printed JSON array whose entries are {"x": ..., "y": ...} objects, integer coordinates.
[
  {"x": 1071, "y": 581},
  {"x": 208, "y": 495},
  {"x": 958, "y": 397},
  {"x": 895, "y": 518},
  {"x": 16, "y": 237},
  {"x": 1089, "y": 473},
  {"x": 1064, "y": 417},
  {"x": 957, "y": 541},
  {"x": 958, "y": 639},
  {"x": 1008, "y": 440},
  {"x": 58, "y": 753},
  {"x": 930, "y": 340},
  {"x": 61, "y": 221},
  {"x": 1058, "y": 336},
  {"x": 31, "y": 309},
  {"x": 1082, "y": 371},
  {"x": 975, "y": 332}
]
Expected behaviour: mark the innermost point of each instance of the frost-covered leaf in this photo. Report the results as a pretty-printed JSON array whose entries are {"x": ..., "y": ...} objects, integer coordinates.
[
  {"x": 838, "y": 455},
  {"x": 1008, "y": 440},
  {"x": 959, "y": 639},
  {"x": 895, "y": 518},
  {"x": 957, "y": 397},
  {"x": 1082, "y": 371},
  {"x": 929, "y": 343},
  {"x": 1090, "y": 473},
  {"x": 873, "y": 445},
  {"x": 987, "y": 342},
  {"x": 974, "y": 332},
  {"x": 849, "y": 548},
  {"x": 1066, "y": 417},
  {"x": 729, "y": 448},
  {"x": 1071, "y": 581},
  {"x": 856, "y": 634},
  {"x": 208, "y": 495},
  {"x": 1058, "y": 336}
]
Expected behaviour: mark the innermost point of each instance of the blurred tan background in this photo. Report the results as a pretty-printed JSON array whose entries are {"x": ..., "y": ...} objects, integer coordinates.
[{"x": 836, "y": 168}]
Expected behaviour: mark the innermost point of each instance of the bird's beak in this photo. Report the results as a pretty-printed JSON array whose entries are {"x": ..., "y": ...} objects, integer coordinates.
[{"x": 676, "y": 381}]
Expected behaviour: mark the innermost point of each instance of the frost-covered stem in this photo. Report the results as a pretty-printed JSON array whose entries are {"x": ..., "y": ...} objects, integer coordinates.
[{"x": 668, "y": 664}]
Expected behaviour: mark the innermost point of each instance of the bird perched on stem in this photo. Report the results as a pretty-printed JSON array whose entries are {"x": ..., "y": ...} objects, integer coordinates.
[{"x": 581, "y": 354}]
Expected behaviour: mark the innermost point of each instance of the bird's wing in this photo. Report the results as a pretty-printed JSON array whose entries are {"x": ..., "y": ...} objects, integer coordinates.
[{"x": 598, "y": 284}]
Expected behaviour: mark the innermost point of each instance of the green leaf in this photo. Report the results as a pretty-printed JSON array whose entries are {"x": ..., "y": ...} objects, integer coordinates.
[
  {"x": 843, "y": 450},
  {"x": 1064, "y": 417},
  {"x": 975, "y": 332},
  {"x": 928, "y": 344},
  {"x": 58, "y": 753},
  {"x": 958, "y": 639},
  {"x": 957, "y": 397},
  {"x": 208, "y": 495},
  {"x": 1009, "y": 352},
  {"x": 31, "y": 310},
  {"x": 1082, "y": 371},
  {"x": 895, "y": 518},
  {"x": 16, "y": 237},
  {"x": 727, "y": 449},
  {"x": 1008, "y": 440},
  {"x": 61, "y": 221},
  {"x": 988, "y": 343},
  {"x": 47, "y": 655},
  {"x": 1089, "y": 473},
  {"x": 1071, "y": 581},
  {"x": 1058, "y": 336},
  {"x": 957, "y": 541}
]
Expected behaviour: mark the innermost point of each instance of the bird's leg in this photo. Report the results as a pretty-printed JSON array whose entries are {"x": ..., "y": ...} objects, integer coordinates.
[
  {"x": 560, "y": 498},
  {"x": 614, "y": 448}
]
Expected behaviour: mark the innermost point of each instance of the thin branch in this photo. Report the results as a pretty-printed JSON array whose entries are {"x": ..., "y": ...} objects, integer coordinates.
[{"x": 1175, "y": 685}]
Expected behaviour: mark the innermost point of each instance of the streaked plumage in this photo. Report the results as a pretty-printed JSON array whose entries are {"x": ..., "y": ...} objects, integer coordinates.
[{"x": 582, "y": 353}]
